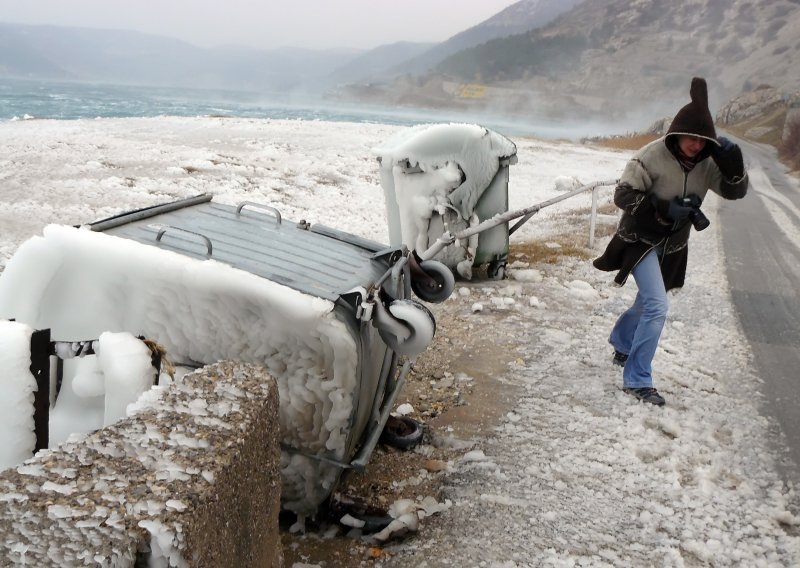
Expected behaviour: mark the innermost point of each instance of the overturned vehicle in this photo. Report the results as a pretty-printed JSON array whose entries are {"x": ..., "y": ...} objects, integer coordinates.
[{"x": 329, "y": 314}]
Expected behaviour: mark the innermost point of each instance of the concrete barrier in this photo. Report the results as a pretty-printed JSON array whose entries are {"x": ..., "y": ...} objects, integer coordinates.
[{"x": 191, "y": 479}]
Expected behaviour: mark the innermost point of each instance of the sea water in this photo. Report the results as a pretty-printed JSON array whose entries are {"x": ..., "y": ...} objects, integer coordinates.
[
  {"x": 22, "y": 99},
  {"x": 37, "y": 99}
]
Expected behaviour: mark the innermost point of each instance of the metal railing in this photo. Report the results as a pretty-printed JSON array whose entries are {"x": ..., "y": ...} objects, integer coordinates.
[
  {"x": 593, "y": 216},
  {"x": 448, "y": 238}
]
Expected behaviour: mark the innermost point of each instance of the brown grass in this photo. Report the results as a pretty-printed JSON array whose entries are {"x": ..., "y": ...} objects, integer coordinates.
[
  {"x": 574, "y": 244},
  {"x": 628, "y": 142},
  {"x": 538, "y": 251}
]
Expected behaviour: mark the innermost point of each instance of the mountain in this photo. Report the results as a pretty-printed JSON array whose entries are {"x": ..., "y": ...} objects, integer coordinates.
[
  {"x": 377, "y": 63},
  {"x": 617, "y": 61},
  {"x": 126, "y": 57},
  {"x": 615, "y": 55},
  {"x": 518, "y": 18}
]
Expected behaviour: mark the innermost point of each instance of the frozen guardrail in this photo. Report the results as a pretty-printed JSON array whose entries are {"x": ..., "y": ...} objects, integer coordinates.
[
  {"x": 593, "y": 218},
  {"x": 526, "y": 213}
]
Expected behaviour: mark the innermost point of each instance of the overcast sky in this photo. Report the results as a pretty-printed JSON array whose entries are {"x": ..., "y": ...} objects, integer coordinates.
[{"x": 313, "y": 24}]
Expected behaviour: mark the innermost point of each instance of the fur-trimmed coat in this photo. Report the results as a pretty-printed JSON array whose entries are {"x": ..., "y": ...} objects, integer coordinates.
[{"x": 654, "y": 171}]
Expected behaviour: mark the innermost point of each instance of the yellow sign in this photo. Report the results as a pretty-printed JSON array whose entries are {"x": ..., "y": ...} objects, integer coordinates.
[{"x": 472, "y": 91}]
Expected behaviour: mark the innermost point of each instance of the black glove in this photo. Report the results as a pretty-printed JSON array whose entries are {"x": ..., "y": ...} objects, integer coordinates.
[
  {"x": 672, "y": 210},
  {"x": 728, "y": 157},
  {"x": 725, "y": 146}
]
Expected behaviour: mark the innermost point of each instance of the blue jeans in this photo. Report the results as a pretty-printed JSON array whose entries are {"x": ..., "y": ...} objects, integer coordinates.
[{"x": 638, "y": 329}]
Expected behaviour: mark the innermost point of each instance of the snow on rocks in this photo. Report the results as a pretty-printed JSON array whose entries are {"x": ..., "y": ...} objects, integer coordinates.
[
  {"x": 525, "y": 275},
  {"x": 405, "y": 409},
  {"x": 582, "y": 289},
  {"x": 564, "y": 184},
  {"x": 156, "y": 483},
  {"x": 406, "y": 515}
]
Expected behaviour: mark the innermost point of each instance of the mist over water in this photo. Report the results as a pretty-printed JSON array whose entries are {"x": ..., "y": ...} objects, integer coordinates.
[{"x": 21, "y": 98}]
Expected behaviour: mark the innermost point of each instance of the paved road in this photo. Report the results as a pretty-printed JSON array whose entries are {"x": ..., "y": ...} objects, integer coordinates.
[{"x": 761, "y": 238}]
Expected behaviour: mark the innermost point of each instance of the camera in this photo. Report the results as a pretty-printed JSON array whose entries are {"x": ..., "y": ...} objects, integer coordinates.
[{"x": 697, "y": 217}]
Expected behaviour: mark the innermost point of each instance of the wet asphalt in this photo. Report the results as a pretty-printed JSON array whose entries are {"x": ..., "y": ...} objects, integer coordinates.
[{"x": 761, "y": 239}]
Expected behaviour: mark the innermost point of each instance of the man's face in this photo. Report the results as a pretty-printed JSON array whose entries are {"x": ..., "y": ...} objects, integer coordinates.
[{"x": 691, "y": 145}]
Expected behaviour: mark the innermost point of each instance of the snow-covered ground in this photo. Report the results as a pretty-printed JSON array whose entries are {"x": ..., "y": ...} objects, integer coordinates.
[
  {"x": 73, "y": 172},
  {"x": 578, "y": 474}
]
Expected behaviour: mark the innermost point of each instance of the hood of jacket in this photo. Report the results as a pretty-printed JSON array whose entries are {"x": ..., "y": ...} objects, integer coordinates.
[{"x": 694, "y": 119}]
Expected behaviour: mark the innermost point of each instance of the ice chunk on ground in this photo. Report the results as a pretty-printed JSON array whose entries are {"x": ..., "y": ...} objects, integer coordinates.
[{"x": 526, "y": 275}]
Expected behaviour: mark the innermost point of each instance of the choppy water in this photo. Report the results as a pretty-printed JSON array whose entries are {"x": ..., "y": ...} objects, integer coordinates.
[
  {"x": 20, "y": 99},
  {"x": 82, "y": 100},
  {"x": 36, "y": 99}
]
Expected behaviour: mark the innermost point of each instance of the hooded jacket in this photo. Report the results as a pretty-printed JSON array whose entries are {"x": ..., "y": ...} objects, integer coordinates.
[{"x": 655, "y": 173}]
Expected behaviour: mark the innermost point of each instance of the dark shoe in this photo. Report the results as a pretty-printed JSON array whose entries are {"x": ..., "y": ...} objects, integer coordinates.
[
  {"x": 647, "y": 394},
  {"x": 619, "y": 358}
]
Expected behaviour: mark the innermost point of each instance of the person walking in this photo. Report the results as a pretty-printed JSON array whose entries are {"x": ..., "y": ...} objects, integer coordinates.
[{"x": 660, "y": 193}]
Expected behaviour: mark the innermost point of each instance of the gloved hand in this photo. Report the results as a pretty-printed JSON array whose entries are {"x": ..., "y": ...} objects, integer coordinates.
[
  {"x": 728, "y": 157},
  {"x": 672, "y": 210},
  {"x": 725, "y": 146},
  {"x": 694, "y": 201}
]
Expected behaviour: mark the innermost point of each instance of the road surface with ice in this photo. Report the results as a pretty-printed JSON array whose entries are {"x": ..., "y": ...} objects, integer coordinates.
[
  {"x": 762, "y": 244},
  {"x": 580, "y": 474}
]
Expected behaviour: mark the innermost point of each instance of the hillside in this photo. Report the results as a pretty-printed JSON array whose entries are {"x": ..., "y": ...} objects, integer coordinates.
[
  {"x": 377, "y": 63},
  {"x": 621, "y": 60},
  {"x": 614, "y": 61},
  {"x": 518, "y": 18}
]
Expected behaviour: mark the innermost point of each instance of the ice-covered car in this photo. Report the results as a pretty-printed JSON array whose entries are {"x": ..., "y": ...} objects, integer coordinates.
[{"x": 329, "y": 314}]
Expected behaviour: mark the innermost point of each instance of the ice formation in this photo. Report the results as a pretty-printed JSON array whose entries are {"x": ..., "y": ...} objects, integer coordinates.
[
  {"x": 97, "y": 388},
  {"x": 433, "y": 177},
  {"x": 127, "y": 370},
  {"x": 17, "y": 438},
  {"x": 201, "y": 312}
]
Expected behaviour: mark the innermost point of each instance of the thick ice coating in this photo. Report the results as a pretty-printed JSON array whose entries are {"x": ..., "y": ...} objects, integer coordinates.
[
  {"x": 438, "y": 169},
  {"x": 80, "y": 284},
  {"x": 17, "y": 438}
]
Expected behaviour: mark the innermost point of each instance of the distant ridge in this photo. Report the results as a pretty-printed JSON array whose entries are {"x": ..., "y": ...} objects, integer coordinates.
[
  {"x": 378, "y": 63},
  {"x": 133, "y": 58},
  {"x": 521, "y": 17}
]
